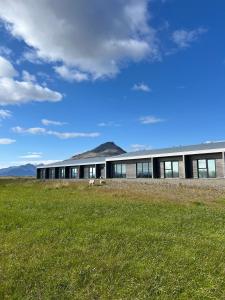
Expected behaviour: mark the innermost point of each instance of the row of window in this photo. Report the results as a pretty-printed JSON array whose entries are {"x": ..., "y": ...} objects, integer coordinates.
[{"x": 206, "y": 169}]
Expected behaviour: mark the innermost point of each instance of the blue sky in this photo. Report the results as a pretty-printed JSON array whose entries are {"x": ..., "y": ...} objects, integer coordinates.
[{"x": 144, "y": 74}]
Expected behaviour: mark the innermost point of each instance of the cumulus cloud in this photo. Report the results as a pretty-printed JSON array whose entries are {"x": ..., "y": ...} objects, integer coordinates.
[
  {"x": 183, "y": 38},
  {"x": 13, "y": 91},
  {"x": 27, "y": 76},
  {"x": 60, "y": 135},
  {"x": 70, "y": 74},
  {"x": 6, "y": 141},
  {"x": 6, "y": 68},
  {"x": 47, "y": 122},
  {"x": 141, "y": 87},
  {"x": 150, "y": 120},
  {"x": 5, "y": 114},
  {"x": 93, "y": 37}
]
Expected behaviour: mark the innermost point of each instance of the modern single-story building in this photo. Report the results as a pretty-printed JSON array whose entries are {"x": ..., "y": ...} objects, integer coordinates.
[{"x": 195, "y": 161}]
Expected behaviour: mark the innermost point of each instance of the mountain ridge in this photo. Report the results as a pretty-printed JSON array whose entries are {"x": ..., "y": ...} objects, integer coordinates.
[{"x": 103, "y": 150}]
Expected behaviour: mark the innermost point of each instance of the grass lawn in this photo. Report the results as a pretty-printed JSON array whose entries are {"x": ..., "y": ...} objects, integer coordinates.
[{"x": 68, "y": 241}]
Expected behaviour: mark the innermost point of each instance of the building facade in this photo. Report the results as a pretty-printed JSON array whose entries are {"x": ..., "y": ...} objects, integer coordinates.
[{"x": 195, "y": 161}]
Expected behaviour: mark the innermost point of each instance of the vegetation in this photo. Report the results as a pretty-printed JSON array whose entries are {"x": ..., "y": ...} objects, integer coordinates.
[{"x": 69, "y": 241}]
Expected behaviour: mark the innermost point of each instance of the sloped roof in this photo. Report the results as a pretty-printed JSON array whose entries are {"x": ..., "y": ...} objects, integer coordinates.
[
  {"x": 156, "y": 152},
  {"x": 178, "y": 149},
  {"x": 76, "y": 162}
]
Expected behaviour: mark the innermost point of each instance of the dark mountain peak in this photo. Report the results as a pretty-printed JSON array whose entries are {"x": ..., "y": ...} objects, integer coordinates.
[{"x": 106, "y": 149}]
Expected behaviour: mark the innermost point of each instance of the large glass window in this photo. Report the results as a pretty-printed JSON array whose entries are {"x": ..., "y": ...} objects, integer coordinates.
[
  {"x": 206, "y": 168},
  {"x": 144, "y": 170},
  {"x": 119, "y": 171},
  {"x": 51, "y": 173},
  {"x": 61, "y": 172},
  {"x": 92, "y": 172},
  {"x": 171, "y": 169},
  {"x": 74, "y": 172}
]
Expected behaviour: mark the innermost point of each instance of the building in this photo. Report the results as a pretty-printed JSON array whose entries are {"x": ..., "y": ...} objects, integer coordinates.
[{"x": 195, "y": 161}]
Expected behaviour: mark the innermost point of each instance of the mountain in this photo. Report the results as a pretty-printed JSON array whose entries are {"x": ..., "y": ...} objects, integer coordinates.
[
  {"x": 106, "y": 149},
  {"x": 103, "y": 150},
  {"x": 24, "y": 170}
]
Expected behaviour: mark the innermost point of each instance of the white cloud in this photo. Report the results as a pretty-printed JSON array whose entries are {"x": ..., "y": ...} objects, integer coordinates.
[
  {"x": 32, "y": 155},
  {"x": 6, "y": 68},
  {"x": 138, "y": 147},
  {"x": 183, "y": 38},
  {"x": 150, "y": 120},
  {"x": 47, "y": 122},
  {"x": 94, "y": 37},
  {"x": 27, "y": 76},
  {"x": 60, "y": 135},
  {"x": 5, "y": 114},
  {"x": 108, "y": 124},
  {"x": 32, "y": 130},
  {"x": 5, "y": 51},
  {"x": 6, "y": 141},
  {"x": 141, "y": 87},
  {"x": 31, "y": 56},
  {"x": 72, "y": 135},
  {"x": 13, "y": 91},
  {"x": 70, "y": 74}
]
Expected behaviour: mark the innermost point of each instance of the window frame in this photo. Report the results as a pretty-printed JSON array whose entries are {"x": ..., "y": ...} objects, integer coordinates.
[
  {"x": 141, "y": 173},
  {"x": 207, "y": 167},
  {"x": 119, "y": 170},
  {"x": 92, "y": 172},
  {"x": 51, "y": 173},
  {"x": 64, "y": 173},
  {"x": 171, "y": 169},
  {"x": 76, "y": 173}
]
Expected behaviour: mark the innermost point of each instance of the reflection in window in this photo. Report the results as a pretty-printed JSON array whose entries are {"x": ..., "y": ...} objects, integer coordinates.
[
  {"x": 51, "y": 173},
  {"x": 144, "y": 170},
  {"x": 92, "y": 172},
  {"x": 119, "y": 171},
  {"x": 206, "y": 168},
  {"x": 74, "y": 172},
  {"x": 42, "y": 173},
  {"x": 171, "y": 169},
  {"x": 61, "y": 173}
]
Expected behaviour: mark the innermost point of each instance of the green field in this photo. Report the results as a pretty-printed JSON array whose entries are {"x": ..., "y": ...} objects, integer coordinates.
[{"x": 69, "y": 241}]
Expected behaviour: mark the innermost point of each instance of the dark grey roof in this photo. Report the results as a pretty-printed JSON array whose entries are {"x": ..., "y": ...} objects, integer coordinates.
[
  {"x": 76, "y": 162},
  {"x": 101, "y": 160},
  {"x": 199, "y": 147}
]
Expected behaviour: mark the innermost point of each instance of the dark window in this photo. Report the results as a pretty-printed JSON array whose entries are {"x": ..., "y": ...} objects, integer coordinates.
[
  {"x": 42, "y": 173},
  {"x": 119, "y": 171},
  {"x": 74, "y": 172},
  {"x": 171, "y": 169},
  {"x": 144, "y": 170},
  {"x": 61, "y": 172},
  {"x": 51, "y": 173},
  {"x": 92, "y": 172},
  {"x": 206, "y": 168}
]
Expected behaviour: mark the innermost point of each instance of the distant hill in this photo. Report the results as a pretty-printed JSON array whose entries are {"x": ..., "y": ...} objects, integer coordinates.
[
  {"x": 106, "y": 149},
  {"x": 24, "y": 170}
]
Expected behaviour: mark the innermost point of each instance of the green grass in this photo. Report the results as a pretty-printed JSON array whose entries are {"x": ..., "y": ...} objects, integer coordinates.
[{"x": 75, "y": 242}]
